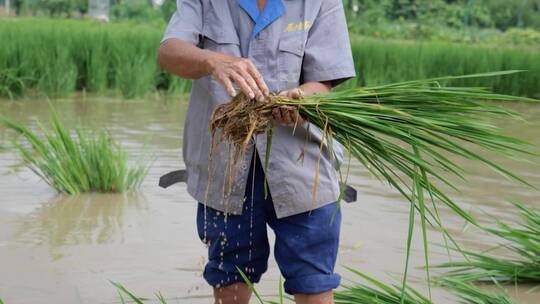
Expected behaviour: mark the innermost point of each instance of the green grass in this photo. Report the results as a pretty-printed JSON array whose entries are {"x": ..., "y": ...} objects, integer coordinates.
[
  {"x": 469, "y": 293},
  {"x": 76, "y": 163},
  {"x": 57, "y": 57},
  {"x": 521, "y": 242}
]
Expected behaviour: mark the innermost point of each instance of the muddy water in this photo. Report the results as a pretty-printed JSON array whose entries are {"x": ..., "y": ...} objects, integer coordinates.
[{"x": 58, "y": 249}]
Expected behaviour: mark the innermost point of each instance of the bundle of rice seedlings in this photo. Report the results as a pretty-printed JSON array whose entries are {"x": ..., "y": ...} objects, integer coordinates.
[
  {"x": 377, "y": 292},
  {"x": 78, "y": 163},
  {"x": 403, "y": 133},
  {"x": 522, "y": 243},
  {"x": 469, "y": 293}
]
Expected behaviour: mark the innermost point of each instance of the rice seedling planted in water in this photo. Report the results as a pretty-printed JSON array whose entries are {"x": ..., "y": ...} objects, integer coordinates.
[
  {"x": 377, "y": 292},
  {"x": 522, "y": 241},
  {"x": 122, "y": 291},
  {"x": 469, "y": 293},
  {"x": 73, "y": 164},
  {"x": 402, "y": 133}
]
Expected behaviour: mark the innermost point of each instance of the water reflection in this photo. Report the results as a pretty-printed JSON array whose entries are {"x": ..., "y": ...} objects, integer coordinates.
[{"x": 74, "y": 220}]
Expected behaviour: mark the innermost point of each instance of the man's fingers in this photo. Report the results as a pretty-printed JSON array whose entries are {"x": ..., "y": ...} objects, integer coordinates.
[
  {"x": 295, "y": 93},
  {"x": 277, "y": 114},
  {"x": 227, "y": 84},
  {"x": 258, "y": 78},
  {"x": 241, "y": 82},
  {"x": 297, "y": 118},
  {"x": 286, "y": 113},
  {"x": 252, "y": 84}
]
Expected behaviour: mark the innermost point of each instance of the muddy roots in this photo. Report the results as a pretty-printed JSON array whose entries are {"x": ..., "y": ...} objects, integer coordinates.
[{"x": 241, "y": 118}]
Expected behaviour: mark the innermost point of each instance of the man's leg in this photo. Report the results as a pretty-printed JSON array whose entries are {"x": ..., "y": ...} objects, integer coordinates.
[
  {"x": 233, "y": 243},
  {"x": 237, "y": 293},
  {"x": 321, "y": 298},
  {"x": 237, "y": 241},
  {"x": 306, "y": 252}
]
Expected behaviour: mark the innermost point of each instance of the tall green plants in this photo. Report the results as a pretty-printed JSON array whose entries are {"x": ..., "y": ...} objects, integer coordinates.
[
  {"x": 468, "y": 293},
  {"x": 379, "y": 62},
  {"x": 521, "y": 241},
  {"x": 78, "y": 161},
  {"x": 57, "y": 57},
  {"x": 377, "y": 292}
]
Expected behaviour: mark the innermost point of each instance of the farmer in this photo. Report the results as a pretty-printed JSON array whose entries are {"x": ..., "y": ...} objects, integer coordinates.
[{"x": 297, "y": 48}]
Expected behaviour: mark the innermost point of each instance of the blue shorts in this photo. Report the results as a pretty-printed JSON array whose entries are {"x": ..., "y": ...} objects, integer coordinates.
[{"x": 305, "y": 250}]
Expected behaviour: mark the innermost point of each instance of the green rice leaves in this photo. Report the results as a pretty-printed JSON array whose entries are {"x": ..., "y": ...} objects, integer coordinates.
[
  {"x": 522, "y": 246},
  {"x": 469, "y": 293},
  {"x": 374, "y": 291}
]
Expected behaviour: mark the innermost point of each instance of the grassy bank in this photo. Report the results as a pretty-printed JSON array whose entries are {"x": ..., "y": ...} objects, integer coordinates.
[{"x": 58, "y": 57}]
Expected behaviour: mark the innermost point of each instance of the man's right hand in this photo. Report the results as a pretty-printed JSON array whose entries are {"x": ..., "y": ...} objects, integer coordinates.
[{"x": 229, "y": 70}]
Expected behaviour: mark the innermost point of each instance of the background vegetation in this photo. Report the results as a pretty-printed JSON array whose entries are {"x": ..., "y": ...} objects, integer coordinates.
[
  {"x": 57, "y": 57},
  {"x": 449, "y": 37},
  {"x": 448, "y": 20}
]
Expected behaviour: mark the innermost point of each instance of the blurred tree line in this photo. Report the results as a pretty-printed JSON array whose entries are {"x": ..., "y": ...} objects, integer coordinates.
[
  {"x": 499, "y": 14},
  {"x": 487, "y": 21},
  {"x": 448, "y": 20},
  {"x": 139, "y": 10}
]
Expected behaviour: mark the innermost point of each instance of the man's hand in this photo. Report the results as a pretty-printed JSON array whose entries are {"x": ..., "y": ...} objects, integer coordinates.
[
  {"x": 288, "y": 115},
  {"x": 240, "y": 71}
]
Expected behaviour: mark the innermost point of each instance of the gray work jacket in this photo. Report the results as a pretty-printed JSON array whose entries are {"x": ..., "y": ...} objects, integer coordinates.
[{"x": 308, "y": 42}]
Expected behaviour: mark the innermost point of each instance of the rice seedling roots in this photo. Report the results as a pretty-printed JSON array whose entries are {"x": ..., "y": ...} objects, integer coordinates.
[{"x": 243, "y": 117}]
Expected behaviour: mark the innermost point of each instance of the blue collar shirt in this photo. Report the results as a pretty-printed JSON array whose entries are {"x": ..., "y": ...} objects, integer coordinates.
[{"x": 290, "y": 42}]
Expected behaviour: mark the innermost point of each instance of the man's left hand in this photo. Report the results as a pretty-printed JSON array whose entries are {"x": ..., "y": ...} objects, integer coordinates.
[{"x": 288, "y": 115}]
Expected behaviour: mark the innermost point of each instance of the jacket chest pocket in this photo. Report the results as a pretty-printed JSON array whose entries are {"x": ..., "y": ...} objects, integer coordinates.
[
  {"x": 220, "y": 39},
  {"x": 290, "y": 57},
  {"x": 217, "y": 38}
]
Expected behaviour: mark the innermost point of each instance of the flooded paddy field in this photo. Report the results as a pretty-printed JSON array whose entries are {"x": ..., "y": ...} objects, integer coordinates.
[{"x": 61, "y": 249}]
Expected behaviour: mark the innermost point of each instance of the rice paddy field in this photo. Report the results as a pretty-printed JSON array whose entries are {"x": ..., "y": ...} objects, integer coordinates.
[
  {"x": 57, "y": 248},
  {"x": 57, "y": 57},
  {"x": 64, "y": 249}
]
